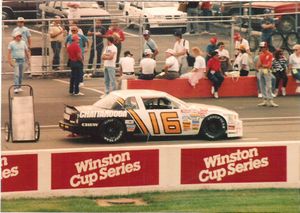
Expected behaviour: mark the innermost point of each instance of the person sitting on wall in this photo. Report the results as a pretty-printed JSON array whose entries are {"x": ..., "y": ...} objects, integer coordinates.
[
  {"x": 171, "y": 68},
  {"x": 147, "y": 65},
  {"x": 214, "y": 73}
]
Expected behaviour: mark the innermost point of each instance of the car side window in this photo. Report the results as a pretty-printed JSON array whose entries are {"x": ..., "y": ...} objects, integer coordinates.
[
  {"x": 131, "y": 103},
  {"x": 159, "y": 103}
]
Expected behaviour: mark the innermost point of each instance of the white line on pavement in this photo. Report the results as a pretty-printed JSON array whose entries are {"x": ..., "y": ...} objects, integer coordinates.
[
  {"x": 87, "y": 88},
  {"x": 250, "y": 139},
  {"x": 270, "y": 118}
]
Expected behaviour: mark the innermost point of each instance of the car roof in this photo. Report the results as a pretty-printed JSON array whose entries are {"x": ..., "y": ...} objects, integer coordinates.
[{"x": 139, "y": 92}]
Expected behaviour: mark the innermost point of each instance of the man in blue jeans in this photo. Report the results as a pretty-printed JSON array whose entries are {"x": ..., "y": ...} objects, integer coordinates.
[
  {"x": 192, "y": 10},
  {"x": 109, "y": 58},
  {"x": 17, "y": 54},
  {"x": 268, "y": 26}
]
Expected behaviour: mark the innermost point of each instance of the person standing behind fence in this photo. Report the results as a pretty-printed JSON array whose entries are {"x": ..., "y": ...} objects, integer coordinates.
[
  {"x": 214, "y": 73},
  {"x": 56, "y": 32},
  {"x": 192, "y": 11},
  {"x": 150, "y": 44},
  {"x": 126, "y": 67},
  {"x": 26, "y": 35},
  {"x": 279, "y": 66},
  {"x": 244, "y": 62},
  {"x": 118, "y": 35},
  {"x": 264, "y": 65},
  {"x": 181, "y": 47},
  {"x": 75, "y": 57},
  {"x": 206, "y": 11},
  {"x": 171, "y": 68},
  {"x": 211, "y": 47},
  {"x": 17, "y": 54},
  {"x": 99, "y": 33},
  {"x": 268, "y": 26},
  {"x": 294, "y": 65},
  {"x": 109, "y": 58},
  {"x": 147, "y": 65}
]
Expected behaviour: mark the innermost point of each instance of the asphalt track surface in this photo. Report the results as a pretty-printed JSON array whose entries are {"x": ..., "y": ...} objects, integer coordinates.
[{"x": 50, "y": 96}]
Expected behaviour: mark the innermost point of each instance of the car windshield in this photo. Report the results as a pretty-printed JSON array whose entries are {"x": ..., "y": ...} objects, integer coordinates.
[
  {"x": 160, "y": 4},
  {"x": 108, "y": 102}
]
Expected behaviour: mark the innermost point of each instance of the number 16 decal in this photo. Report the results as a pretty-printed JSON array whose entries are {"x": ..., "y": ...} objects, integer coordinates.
[{"x": 170, "y": 122}]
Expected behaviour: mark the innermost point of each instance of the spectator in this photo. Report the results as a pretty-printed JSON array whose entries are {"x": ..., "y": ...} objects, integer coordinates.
[
  {"x": 239, "y": 40},
  {"x": 150, "y": 44},
  {"x": 147, "y": 65},
  {"x": 110, "y": 57},
  {"x": 237, "y": 60},
  {"x": 171, "y": 68},
  {"x": 244, "y": 61},
  {"x": 211, "y": 47},
  {"x": 206, "y": 11},
  {"x": 264, "y": 65},
  {"x": 74, "y": 24},
  {"x": 268, "y": 26},
  {"x": 75, "y": 57},
  {"x": 214, "y": 73},
  {"x": 181, "y": 47},
  {"x": 17, "y": 54},
  {"x": 118, "y": 36},
  {"x": 56, "y": 32},
  {"x": 198, "y": 70},
  {"x": 192, "y": 11},
  {"x": 26, "y": 35},
  {"x": 223, "y": 56},
  {"x": 98, "y": 34},
  {"x": 255, "y": 60},
  {"x": 279, "y": 66},
  {"x": 126, "y": 67},
  {"x": 294, "y": 65}
]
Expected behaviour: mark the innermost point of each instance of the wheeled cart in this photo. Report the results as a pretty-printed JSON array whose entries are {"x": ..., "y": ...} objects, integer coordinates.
[{"x": 22, "y": 126}]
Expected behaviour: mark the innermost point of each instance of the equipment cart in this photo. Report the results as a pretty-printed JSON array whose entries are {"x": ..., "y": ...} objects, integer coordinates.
[{"x": 22, "y": 126}]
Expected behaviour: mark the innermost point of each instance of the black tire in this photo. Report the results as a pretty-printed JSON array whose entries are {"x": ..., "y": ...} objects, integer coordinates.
[
  {"x": 287, "y": 24},
  {"x": 292, "y": 39},
  {"x": 214, "y": 127},
  {"x": 277, "y": 40},
  {"x": 7, "y": 14},
  {"x": 253, "y": 43},
  {"x": 111, "y": 130},
  {"x": 7, "y": 131},
  {"x": 37, "y": 130}
]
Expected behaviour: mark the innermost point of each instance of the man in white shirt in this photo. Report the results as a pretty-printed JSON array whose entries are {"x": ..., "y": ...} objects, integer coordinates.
[
  {"x": 171, "y": 68},
  {"x": 147, "y": 65},
  {"x": 239, "y": 40},
  {"x": 150, "y": 43},
  {"x": 109, "y": 58},
  {"x": 294, "y": 65},
  {"x": 223, "y": 57},
  {"x": 126, "y": 67},
  {"x": 181, "y": 47}
]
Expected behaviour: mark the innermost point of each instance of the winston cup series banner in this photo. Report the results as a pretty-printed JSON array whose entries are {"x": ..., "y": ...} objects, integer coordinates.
[
  {"x": 105, "y": 169},
  {"x": 234, "y": 165}
]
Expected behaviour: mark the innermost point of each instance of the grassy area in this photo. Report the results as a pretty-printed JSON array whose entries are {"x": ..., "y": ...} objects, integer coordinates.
[{"x": 254, "y": 200}]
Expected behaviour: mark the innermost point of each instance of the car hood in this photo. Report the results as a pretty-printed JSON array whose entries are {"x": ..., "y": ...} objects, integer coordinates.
[
  {"x": 163, "y": 11},
  {"x": 211, "y": 108},
  {"x": 91, "y": 12}
]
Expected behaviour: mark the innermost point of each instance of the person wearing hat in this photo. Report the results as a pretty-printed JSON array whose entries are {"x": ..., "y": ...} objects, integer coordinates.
[
  {"x": 264, "y": 66},
  {"x": 239, "y": 40},
  {"x": 268, "y": 26},
  {"x": 214, "y": 73},
  {"x": 16, "y": 57},
  {"x": 147, "y": 65},
  {"x": 171, "y": 68},
  {"x": 26, "y": 35},
  {"x": 211, "y": 47},
  {"x": 181, "y": 48},
  {"x": 150, "y": 44},
  {"x": 126, "y": 67},
  {"x": 294, "y": 65},
  {"x": 279, "y": 66},
  {"x": 75, "y": 60},
  {"x": 243, "y": 61}
]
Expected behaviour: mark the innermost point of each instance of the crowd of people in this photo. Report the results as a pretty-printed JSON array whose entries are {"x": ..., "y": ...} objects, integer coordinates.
[{"x": 213, "y": 63}]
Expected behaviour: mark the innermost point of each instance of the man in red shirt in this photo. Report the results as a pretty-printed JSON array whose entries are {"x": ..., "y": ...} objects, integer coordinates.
[
  {"x": 214, "y": 73},
  {"x": 264, "y": 65},
  {"x": 118, "y": 35},
  {"x": 75, "y": 62}
]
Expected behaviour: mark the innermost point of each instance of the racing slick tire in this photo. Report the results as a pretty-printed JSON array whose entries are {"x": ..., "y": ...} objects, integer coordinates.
[
  {"x": 7, "y": 131},
  {"x": 213, "y": 127},
  {"x": 277, "y": 40},
  {"x": 36, "y": 131},
  {"x": 111, "y": 131},
  {"x": 292, "y": 39}
]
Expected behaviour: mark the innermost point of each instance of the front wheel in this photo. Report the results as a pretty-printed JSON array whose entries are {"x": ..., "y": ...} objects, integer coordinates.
[
  {"x": 287, "y": 24},
  {"x": 213, "y": 127},
  {"x": 111, "y": 131}
]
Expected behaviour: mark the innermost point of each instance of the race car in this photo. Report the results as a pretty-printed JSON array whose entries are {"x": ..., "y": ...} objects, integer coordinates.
[{"x": 123, "y": 113}]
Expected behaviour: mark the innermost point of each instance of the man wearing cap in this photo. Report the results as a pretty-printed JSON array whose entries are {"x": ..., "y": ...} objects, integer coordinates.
[
  {"x": 147, "y": 65},
  {"x": 126, "y": 67},
  {"x": 56, "y": 32},
  {"x": 211, "y": 47},
  {"x": 150, "y": 44},
  {"x": 268, "y": 26},
  {"x": 26, "y": 35},
  {"x": 171, "y": 68},
  {"x": 75, "y": 57},
  {"x": 181, "y": 48},
  {"x": 17, "y": 54},
  {"x": 264, "y": 65},
  {"x": 294, "y": 65},
  {"x": 238, "y": 41}
]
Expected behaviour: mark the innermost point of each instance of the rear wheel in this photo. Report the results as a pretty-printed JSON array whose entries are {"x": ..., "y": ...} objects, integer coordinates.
[
  {"x": 287, "y": 24},
  {"x": 7, "y": 131},
  {"x": 291, "y": 40},
  {"x": 277, "y": 40},
  {"x": 214, "y": 127},
  {"x": 111, "y": 131},
  {"x": 7, "y": 14}
]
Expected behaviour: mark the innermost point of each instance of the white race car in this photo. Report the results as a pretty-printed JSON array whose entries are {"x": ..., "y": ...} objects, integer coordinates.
[{"x": 151, "y": 113}]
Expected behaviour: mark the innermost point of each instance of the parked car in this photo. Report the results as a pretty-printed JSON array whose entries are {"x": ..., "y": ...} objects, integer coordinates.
[
  {"x": 150, "y": 113},
  {"x": 155, "y": 15},
  {"x": 14, "y": 9},
  {"x": 87, "y": 9}
]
